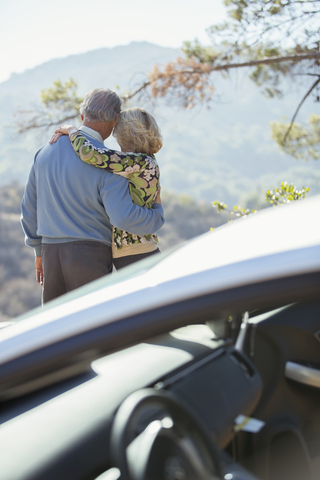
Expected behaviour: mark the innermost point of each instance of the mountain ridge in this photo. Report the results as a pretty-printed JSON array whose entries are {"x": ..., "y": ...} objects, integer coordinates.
[{"x": 224, "y": 152}]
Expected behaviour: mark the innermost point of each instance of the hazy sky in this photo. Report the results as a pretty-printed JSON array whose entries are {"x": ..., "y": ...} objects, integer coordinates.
[{"x": 34, "y": 31}]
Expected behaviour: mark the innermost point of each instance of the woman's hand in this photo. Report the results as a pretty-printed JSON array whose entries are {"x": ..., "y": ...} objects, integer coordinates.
[{"x": 62, "y": 130}]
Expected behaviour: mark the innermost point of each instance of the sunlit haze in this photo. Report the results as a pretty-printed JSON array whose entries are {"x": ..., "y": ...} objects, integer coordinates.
[{"x": 36, "y": 31}]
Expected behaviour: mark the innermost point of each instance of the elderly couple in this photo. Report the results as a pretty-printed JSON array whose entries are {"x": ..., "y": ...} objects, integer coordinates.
[{"x": 87, "y": 207}]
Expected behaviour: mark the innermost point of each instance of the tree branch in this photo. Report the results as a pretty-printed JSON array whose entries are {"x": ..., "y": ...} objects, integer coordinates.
[
  {"x": 34, "y": 124},
  {"x": 253, "y": 63},
  {"x": 266, "y": 61},
  {"x": 127, "y": 96},
  {"x": 298, "y": 108}
]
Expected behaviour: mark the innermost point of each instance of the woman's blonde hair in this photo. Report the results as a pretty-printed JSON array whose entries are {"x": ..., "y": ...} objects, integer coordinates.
[{"x": 137, "y": 131}]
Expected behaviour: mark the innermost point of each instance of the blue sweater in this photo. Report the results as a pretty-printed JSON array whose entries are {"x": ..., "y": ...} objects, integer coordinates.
[{"x": 67, "y": 200}]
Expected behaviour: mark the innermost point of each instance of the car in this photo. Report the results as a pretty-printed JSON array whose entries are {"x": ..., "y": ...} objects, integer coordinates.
[{"x": 199, "y": 363}]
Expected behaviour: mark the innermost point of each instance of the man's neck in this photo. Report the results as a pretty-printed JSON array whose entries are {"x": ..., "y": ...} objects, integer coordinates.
[{"x": 103, "y": 128}]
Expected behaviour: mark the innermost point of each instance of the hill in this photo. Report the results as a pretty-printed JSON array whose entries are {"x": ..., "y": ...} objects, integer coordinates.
[{"x": 215, "y": 153}]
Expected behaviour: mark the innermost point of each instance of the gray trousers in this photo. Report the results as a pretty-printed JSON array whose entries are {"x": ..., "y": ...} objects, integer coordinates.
[{"x": 67, "y": 266}]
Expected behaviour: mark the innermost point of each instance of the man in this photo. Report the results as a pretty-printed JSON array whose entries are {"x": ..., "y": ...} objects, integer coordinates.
[{"x": 69, "y": 207}]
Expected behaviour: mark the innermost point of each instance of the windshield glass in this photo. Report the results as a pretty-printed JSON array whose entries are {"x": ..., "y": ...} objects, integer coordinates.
[{"x": 134, "y": 270}]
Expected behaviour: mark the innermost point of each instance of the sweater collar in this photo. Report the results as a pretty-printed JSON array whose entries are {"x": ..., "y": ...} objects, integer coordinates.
[{"x": 92, "y": 133}]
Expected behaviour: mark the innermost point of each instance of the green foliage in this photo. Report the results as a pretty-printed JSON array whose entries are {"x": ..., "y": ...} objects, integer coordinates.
[
  {"x": 286, "y": 193},
  {"x": 63, "y": 97},
  {"x": 302, "y": 142},
  {"x": 237, "y": 211},
  {"x": 269, "y": 76},
  {"x": 220, "y": 206},
  {"x": 260, "y": 29},
  {"x": 203, "y": 54},
  {"x": 275, "y": 34},
  {"x": 59, "y": 104},
  {"x": 274, "y": 16}
]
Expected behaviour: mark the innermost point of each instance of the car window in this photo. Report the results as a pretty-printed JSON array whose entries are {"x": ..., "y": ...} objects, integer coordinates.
[{"x": 134, "y": 270}]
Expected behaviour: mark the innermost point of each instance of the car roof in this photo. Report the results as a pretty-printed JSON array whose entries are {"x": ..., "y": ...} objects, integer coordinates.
[{"x": 271, "y": 244}]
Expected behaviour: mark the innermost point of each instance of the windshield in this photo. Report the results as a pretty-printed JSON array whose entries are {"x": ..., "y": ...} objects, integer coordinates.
[{"x": 135, "y": 270}]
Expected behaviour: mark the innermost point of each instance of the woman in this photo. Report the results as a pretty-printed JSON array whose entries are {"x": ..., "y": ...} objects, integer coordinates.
[{"x": 138, "y": 133}]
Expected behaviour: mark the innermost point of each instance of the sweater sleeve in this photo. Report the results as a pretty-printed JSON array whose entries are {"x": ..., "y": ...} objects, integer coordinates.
[
  {"x": 111, "y": 160},
  {"x": 141, "y": 170},
  {"x": 29, "y": 215},
  {"x": 124, "y": 214}
]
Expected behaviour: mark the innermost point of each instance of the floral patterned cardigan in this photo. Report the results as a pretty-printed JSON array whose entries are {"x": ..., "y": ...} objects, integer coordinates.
[{"x": 143, "y": 174}]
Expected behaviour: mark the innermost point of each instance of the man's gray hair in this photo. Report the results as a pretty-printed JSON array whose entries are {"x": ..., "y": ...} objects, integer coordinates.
[{"x": 101, "y": 104}]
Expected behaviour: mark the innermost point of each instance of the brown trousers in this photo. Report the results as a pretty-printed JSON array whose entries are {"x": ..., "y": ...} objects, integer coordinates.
[{"x": 67, "y": 266}]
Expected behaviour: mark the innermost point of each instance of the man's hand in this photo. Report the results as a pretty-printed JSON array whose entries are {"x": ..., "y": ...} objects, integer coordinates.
[
  {"x": 39, "y": 270},
  {"x": 158, "y": 198}
]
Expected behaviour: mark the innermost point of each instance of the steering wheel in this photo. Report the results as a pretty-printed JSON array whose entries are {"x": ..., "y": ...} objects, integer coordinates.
[{"x": 155, "y": 437}]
